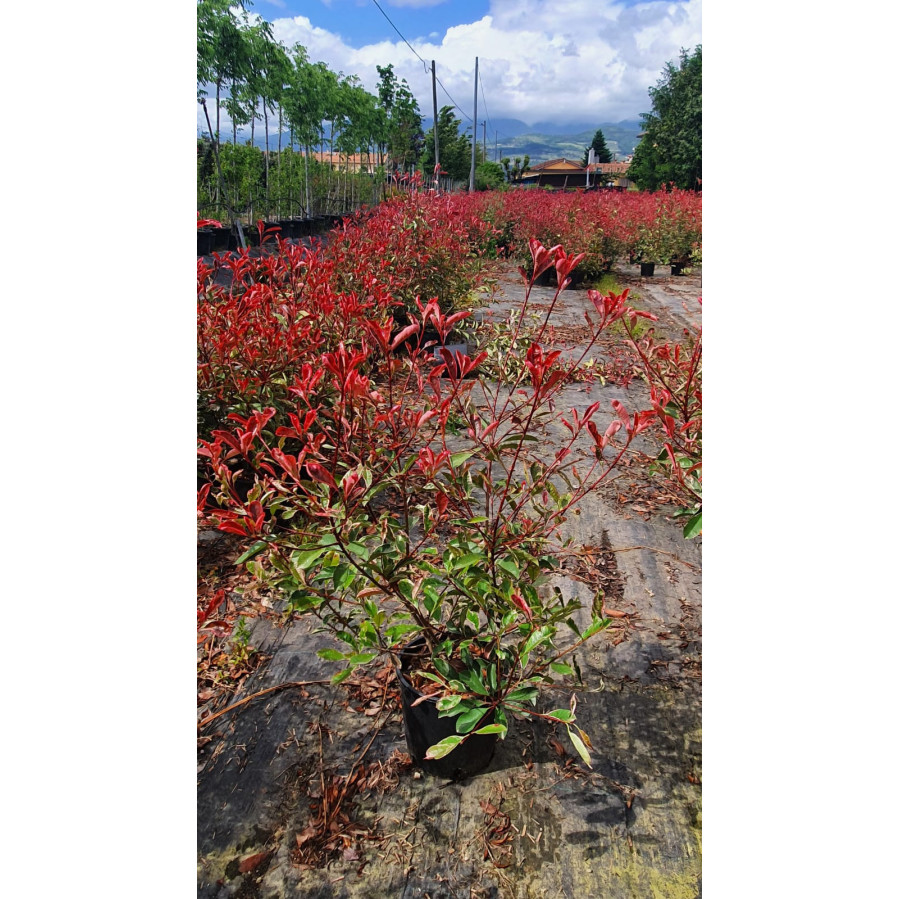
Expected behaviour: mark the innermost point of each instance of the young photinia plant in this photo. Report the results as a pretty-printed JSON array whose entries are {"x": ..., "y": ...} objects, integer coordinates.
[
  {"x": 674, "y": 375},
  {"x": 391, "y": 528}
]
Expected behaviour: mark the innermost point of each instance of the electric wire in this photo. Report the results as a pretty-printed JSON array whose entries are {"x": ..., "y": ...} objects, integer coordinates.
[
  {"x": 427, "y": 68},
  {"x": 400, "y": 34}
]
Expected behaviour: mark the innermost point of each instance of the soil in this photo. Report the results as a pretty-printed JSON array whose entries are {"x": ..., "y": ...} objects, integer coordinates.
[{"x": 308, "y": 790}]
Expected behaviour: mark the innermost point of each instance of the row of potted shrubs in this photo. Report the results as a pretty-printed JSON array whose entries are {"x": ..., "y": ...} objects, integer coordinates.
[
  {"x": 409, "y": 506},
  {"x": 218, "y": 238},
  {"x": 650, "y": 228}
]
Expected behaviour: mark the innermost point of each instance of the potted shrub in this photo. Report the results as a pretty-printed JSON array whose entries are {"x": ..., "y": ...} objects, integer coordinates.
[
  {"x": 423, "y": 543},
  {"x": 205, "y": 235}
]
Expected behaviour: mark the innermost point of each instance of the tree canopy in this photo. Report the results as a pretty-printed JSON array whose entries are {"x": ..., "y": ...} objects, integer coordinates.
[
  {"x": 251, "y": 75},
  {"x": 598, "y": 145},
  {"x": 455, "y": 147},
  {"x": 671, "y": 148}
]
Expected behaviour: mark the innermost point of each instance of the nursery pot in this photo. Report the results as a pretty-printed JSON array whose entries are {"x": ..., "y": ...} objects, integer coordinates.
[
  {"x": 455, "y": 349},
  {"x": 647, "y": 269},
  {"x": 205, "y": 242},
  {"x": 677, "y": 268},
  {"x": 220, "y": 238},
  {"x": 424, "y": 728},
  {"x": 546, "y": 278}
]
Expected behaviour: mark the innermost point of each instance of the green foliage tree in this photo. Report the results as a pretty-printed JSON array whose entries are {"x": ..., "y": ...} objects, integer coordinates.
[
  {"x": 222, "y": 53},
  {"x": 671, "y": 148},
  {"x": 514, "y": 171},
  {"x": 598, "y": 144},
  {"x": 455, "y": 147},
  {"x": 489, "y": 176},
  {"x": 405, "y": 139}
]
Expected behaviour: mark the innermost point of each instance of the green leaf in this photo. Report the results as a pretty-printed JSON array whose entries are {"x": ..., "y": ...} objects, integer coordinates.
[
  {"x": 561, "y": 715},
  {"x": 596, "y": 625},
  {"x": 341, "y": 676},
  {"x": 692, "y": 528},
  {"x": 470, "y": 719},
  {"x": 331, "y": 655},
  {"x": 578, "y": 744},
  {"x": 447, "y": 703},
  {"x": 457, "y": 459},
  {"x": 362, "y": 658},
  {"x": 444, "y": 747},
  {"x": 561, "y": 668},
  {"x": 470, "y": 559},
  {"x": 473, "y": 681},
  {"x": 254, "y": 550},
  {"x": 303, "y": 560},
  {"x": 523, "y": 694},
  {"x": 442, "y": 667},
  {"x": 509, "y": 566},
  {"x": 493, "y": 729}
]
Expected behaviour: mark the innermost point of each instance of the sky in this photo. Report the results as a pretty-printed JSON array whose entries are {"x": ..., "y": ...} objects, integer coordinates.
[{"x": 561, "y": 61}]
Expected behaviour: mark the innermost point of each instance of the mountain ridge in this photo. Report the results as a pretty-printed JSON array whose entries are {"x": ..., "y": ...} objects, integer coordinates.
[{"x": 539, "y": 145}]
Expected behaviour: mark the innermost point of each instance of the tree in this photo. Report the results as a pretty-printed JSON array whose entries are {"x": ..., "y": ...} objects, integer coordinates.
[
  {"x": 671, "y": 148},
  {"x": 598, "y": 144},
  {"x": 455, "y": 147},
  {"x": 514, "y": 172},
  {"x": 489, "y": 176},
  {"x": 405, "y": 139},
  {"x": 221, "y": 50}
]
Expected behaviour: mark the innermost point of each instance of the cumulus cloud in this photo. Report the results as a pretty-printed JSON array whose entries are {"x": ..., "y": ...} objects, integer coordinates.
[{"x": 561, "y": 61}]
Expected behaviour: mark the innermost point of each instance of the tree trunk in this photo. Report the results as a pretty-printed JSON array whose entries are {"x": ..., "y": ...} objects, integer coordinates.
[
  {"x": 280, "y": 179},
  {"x": 268, "y": 209}
]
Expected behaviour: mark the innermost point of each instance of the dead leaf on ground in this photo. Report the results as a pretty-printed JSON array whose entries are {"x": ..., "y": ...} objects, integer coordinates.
[{"x": 253, "y": 861}]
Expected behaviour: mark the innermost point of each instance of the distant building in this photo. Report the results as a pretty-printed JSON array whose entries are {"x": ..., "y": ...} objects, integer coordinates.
[
  {"x": 341, "y": 162},
  {"x": 565, "y": 174}
]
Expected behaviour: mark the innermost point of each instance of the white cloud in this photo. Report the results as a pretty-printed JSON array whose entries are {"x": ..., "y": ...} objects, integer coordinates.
[{"x": 562, "y": 61}]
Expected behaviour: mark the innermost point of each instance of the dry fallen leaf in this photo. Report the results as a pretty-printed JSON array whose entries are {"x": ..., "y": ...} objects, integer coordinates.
[
  {"x": 558, "y": 747},
  {"x": 252, "y": 861}
]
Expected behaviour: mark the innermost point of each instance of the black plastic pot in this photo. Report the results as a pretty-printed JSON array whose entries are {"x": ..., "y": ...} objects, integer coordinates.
[
  {"x": 205, "y": 242},
  {"x": 647, "y": 269},
  {"x": 455, "y": 349},
  {"x": 424, "y": 728},
  {"x": 220, "y": 238},
  {"x": 677, "y": 268}
]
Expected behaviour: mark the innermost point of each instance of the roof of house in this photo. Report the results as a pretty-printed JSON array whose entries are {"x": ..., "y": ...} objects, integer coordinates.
[
  {"x": 557, "y": 165},
  {"x": 567, "y": 167}
]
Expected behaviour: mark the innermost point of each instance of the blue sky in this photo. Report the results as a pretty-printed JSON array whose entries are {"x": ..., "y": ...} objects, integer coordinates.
[{"x": 561, "y": 61}]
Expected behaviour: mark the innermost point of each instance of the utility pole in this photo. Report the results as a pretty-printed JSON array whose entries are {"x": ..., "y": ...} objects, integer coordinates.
[
  {"x": 436, "y": 141},
  {"x": 495, "y": 146},
  {"x": 474, "y": 130},
  {"x": 484, "y": 126}
]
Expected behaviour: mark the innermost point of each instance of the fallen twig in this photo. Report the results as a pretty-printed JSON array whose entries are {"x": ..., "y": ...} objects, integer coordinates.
[{"x": 266, "y": 691}]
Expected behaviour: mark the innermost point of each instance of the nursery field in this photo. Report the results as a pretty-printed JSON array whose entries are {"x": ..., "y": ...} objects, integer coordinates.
[{"x": 306, "y": 786}]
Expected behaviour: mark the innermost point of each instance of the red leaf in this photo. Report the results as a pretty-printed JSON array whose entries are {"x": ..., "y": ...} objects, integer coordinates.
[{"x": 321, "y": 474}]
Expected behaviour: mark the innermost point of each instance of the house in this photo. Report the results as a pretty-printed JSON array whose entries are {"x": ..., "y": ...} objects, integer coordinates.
[
  {"x": 353, "y": 163},
  {"x": 563, "y": 173}
]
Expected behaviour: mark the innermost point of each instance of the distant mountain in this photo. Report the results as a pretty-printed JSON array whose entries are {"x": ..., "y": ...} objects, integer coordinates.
[
  {"x": 541, "y": 142},
  {"x": 545, "y": 141}
]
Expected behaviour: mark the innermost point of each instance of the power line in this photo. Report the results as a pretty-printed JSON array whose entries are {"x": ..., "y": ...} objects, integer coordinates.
[
  {"x": 467, "y": 116},
  {"x": 401, "y": 35},
  {"x": 455, "y": 104}
]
